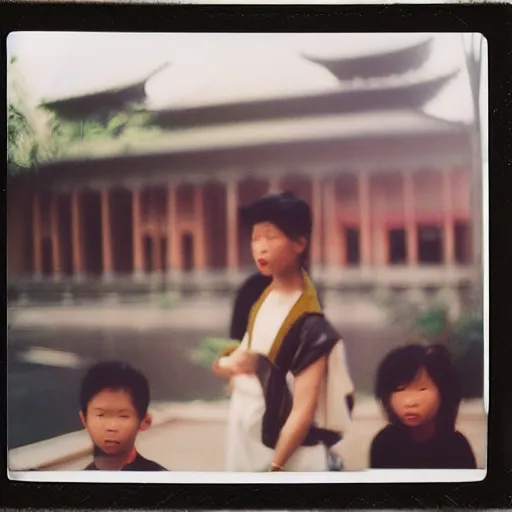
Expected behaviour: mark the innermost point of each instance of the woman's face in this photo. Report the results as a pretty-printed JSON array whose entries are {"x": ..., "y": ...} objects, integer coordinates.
[
  {"x": 273, "y": 252},
  {"x": 417, "y": 402}
]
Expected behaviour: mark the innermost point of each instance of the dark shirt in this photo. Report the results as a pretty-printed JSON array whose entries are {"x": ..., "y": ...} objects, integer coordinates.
[
  {"x": 393, "y": 447},
  {"x": 139, "y": 464},
  {"x": 246, "y": 296}
]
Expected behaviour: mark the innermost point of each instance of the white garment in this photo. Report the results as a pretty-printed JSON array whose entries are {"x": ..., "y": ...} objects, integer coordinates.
[
  {"x": 332, "y": 411},
  {"x": 246, "y": 452}
]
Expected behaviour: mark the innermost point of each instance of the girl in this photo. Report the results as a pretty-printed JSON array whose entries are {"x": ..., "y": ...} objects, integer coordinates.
[
  {"x": 419, "y": 390},
  {"x": 290, "y": 381}
]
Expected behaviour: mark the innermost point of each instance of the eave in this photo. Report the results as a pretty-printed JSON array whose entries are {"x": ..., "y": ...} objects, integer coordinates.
[
  {"x": 378, "y": 64},
  {"x": 408, "y": 95},
  {"x": 100, "y": 102},
  {"x": 257, "y": 139}
]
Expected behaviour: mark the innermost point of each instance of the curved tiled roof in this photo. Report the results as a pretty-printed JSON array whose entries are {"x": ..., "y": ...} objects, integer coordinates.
[
  {"x": 382, "y": 63},
  {"x": 235, "y": 78},
  {"x": 389, "y": 94},
  {"x": 80, "y": 106}
]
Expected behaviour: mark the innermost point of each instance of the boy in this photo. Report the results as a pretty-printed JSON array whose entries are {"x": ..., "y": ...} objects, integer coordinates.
[
  {"x": 114, "y": 399},
  {"x": 290, "y": 380}
]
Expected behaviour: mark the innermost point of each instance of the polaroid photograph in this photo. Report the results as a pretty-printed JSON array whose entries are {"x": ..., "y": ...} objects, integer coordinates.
[{"x": 247, "y": 257}]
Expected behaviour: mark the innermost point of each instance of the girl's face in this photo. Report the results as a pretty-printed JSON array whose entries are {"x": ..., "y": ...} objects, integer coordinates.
[
  {"x": 273, "y": 252},
  {"x": 417, "y": 402}
]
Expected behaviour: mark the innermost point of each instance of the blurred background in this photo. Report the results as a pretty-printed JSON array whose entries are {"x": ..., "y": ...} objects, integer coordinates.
[{"x": 129, "y": 155}]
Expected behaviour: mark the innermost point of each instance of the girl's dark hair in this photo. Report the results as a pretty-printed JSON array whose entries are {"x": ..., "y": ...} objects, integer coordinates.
[
  {"x": 290, "y": 213},
  {"x": 400, "y": 367},
  {"x": 115, "y": 375}
]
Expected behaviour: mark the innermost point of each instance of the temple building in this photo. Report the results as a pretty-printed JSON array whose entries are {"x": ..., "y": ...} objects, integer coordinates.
[{"x": 389, "y": 185}]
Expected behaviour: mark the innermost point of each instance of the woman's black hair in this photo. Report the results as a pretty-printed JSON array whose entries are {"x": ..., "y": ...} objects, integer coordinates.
[
  {"x": 290, "y": 213},
  {"x": 401, "y": 366},
  {"x": 115, "y": 375}
]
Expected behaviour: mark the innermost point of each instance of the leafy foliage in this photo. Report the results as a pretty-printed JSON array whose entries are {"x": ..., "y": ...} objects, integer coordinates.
[
  {"x": 210, "y": 349},
  {"x": 20, "y": 147},
  {"x": 467, "y": 346},
  {"x": 431, "y": 324},
  {"x": 90, "y": 135},
  {"x": 56, "y": 137},
  {"x": 467, "y": 332},
  {"x": 25, "y": 145}
]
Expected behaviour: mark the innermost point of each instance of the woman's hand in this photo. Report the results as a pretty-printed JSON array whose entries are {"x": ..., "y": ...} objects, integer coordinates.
[
  {"x": 245, "y": 362},
  {"x": 241, "y": 362},
  {"x": 221, "y": 370}
]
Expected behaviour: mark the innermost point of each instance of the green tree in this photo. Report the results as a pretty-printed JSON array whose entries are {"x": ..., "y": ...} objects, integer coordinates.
[
  {"x": 431, "y": 323},
  {"x": 19, "y": 134},
  {"x": 27, "y": 145},
  {"x": 37, "y": 134},
  {"x": 113, "y": 131}
]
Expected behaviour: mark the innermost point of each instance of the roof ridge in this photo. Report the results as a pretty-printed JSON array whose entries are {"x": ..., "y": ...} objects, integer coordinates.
[
  {"x": 443, "y": 120},
  {"x": 445, "y": 76},
  {"x": 369, "y": 55},
  {"x": 109, "y": 90}
]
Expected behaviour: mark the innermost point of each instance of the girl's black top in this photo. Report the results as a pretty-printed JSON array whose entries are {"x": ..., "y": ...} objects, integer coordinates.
[{"x": 393, "y": 447}]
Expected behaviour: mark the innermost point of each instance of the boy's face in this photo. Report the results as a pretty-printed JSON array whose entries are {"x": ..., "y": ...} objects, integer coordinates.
[
  {"x": 417, "y": 402},
  {"x": 273, "y": 252},
  {"x": 112, "y": 421}
]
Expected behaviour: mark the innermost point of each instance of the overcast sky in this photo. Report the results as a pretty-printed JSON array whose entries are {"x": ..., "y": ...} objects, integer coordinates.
[{"x": 207, "y": 68}]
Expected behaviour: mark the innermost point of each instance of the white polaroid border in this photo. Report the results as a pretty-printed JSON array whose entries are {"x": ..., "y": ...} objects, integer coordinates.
[{"x": 372, "y": 476}]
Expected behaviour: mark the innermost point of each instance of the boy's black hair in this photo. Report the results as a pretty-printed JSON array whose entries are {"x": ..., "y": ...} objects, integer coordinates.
[
  {"x": 400, "y": 367},
  {"x": 115, "y": 375},
  {"x": 290, "y": 213}
]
